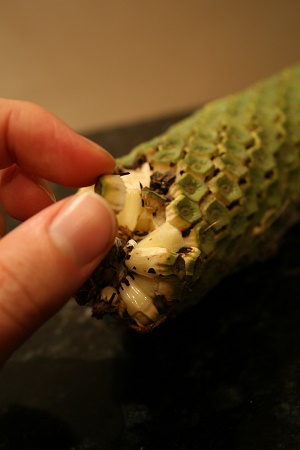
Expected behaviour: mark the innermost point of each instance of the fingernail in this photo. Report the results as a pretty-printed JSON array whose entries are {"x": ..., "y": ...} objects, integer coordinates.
[
  {"x": 84, "y": 228},
  {"x": 43, "y": 184}
]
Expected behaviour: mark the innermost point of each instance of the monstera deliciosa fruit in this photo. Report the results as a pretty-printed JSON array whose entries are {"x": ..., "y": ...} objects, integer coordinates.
[{"x": 200, "y": 201}]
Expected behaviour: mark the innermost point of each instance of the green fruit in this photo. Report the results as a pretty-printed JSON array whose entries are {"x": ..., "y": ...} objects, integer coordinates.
[{"x": 202, "y": 200}]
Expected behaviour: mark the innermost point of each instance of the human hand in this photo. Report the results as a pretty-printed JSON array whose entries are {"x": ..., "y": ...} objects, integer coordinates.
[{"x": 46, "y": 259}]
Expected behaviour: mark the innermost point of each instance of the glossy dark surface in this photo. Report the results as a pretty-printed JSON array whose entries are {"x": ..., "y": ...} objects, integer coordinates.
[{"x": 224, "y": 375}]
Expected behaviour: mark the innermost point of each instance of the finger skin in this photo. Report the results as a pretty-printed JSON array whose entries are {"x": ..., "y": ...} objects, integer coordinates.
[
  {"x": 23, "y": 195},
  {"x": 42, "y": 145},
  {"x": 37, "y": 276},
  {"x": 39, "y": 269}
]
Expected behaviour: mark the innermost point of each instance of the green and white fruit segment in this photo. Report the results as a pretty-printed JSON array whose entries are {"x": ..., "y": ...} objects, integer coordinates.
[{"x": 200, "y": 201}]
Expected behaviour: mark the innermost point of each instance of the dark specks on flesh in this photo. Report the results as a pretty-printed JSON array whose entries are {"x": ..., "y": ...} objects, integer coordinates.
[{"x": 160, "y": 182}]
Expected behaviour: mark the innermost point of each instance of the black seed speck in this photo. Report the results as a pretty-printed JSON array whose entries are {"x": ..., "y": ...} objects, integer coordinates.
[
  {"x": 141, "y": 233},
  {"x": 186, "y": 233},
  {"x": 185, "y": 250}
]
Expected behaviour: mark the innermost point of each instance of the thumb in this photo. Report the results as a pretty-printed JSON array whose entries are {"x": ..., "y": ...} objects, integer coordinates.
[{"x": 46, "y": 259}]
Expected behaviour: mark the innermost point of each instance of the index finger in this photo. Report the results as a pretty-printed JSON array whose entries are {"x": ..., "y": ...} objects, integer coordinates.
[{"x": 43, "y": 145}]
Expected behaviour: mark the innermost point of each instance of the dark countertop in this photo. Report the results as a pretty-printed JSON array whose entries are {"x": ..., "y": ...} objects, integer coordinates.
[{"x": 225, "y": 375}]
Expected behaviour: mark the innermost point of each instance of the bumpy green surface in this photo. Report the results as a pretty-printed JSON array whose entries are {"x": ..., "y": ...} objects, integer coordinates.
[{"x": 237, "y": 181}]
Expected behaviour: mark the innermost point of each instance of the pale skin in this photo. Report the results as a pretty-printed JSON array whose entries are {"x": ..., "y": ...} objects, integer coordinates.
[{"x": 46, "y": 259}]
